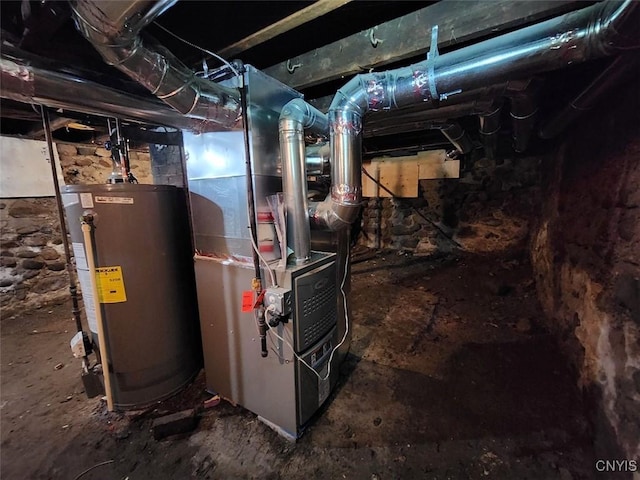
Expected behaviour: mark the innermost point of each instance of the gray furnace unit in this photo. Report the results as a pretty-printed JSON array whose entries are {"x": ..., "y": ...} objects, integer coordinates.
[{"x": 287, "y": 382}]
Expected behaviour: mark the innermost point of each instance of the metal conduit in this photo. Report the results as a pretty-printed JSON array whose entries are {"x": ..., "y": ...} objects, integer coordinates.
[{"x": 599, "y": 30}]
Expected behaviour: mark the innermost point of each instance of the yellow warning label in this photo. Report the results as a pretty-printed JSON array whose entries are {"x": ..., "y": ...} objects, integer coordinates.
[{"x": 110, "y": 285}]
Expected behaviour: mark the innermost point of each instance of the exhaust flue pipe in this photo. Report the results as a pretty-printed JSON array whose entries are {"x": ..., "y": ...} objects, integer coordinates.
[
  {"x": 296, "y": 116},
  {"x": 596, "y": 31},
  {"x": 113, "y": 27}
]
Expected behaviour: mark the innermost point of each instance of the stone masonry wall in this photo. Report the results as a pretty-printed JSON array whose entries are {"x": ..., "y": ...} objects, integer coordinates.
[
  {"x": 32, "y": 262},
  {"x": 88, "y": 164},
  {"x": 489, "y": 208},
  {"x": 586, "y": 257}
]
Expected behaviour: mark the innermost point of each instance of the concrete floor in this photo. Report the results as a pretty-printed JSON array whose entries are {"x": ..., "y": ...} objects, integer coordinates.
[{"x": 450, "y": 376}]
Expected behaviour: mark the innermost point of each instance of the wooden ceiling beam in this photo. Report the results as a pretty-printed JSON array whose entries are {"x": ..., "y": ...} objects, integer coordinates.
[
  {"x": 410, "y": 35},
  {"x": 37, "y": 133},
  {"x": 313, "y": 11}
]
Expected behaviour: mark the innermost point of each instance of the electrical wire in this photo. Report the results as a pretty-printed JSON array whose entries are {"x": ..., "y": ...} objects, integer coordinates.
[
  {"x": 344, "y": 337},
  {"x": 422, "y": 215},
  {"x": 193, "y": 45},
  {"x": 91, "y": 468},
  {"x": 257, "y": 250}
]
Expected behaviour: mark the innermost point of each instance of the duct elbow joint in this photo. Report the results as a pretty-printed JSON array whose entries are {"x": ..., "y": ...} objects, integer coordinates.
[
  {"x": 299, "y": 114},
  {"x": 331, "y": 215},
  {"x": 364, "y": 92}
]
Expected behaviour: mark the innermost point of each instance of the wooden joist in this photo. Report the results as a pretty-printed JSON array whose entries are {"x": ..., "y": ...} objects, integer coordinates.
[
  {"x": 410, "y": 35},
  {"x": 313, "y": 11}
]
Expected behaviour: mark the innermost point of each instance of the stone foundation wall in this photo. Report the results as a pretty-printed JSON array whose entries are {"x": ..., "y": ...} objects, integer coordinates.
[
  {"x": 489, "y": 208},
  {"x": 32, "y": 261},
  {"x": 586, "y": 256},
  {"x": 88, "y": 164}
]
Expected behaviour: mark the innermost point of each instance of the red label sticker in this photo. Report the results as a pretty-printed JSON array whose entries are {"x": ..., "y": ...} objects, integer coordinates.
[{"x": 247, "y": 301}]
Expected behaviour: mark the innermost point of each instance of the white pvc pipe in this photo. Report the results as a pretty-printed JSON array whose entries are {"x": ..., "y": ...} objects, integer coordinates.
[{"x": 102, "y": 342}]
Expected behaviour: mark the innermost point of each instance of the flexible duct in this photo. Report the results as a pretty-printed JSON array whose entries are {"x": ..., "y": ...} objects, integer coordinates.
[
  {"x": 295, "y": 117},
  {"x": 113, "y": 28},
  {"x": 599, "y": 30}
]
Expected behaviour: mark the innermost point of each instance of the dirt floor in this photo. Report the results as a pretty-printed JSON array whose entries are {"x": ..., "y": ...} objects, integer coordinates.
[{"x": 450, "y": 376}]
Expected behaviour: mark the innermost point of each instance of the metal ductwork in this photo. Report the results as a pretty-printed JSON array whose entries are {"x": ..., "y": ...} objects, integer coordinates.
[
  {"x": 29, "y": 82},
  {"x": 490, "y": 124},
  {"x": 318, "y": 159},
  {"x": 296, "y": 116},
  {"x": 599, "y": 30},
  {"x": 113, "y": 28},
  {"x": 524, "y": 109},
  {"x": 408, "y": 120},
  {"x": 457, "y": 136}
]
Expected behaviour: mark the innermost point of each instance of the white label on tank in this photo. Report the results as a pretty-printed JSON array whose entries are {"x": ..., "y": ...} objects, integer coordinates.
[
  {"x": 324, "y": 386},
  {"x": 81, "y": 258},
  {"x": 69, "y": 199},
  {"x": 120, "y": 200},
  {"x": 84, "y": 278},
  {"x": 86, "y": 200}
]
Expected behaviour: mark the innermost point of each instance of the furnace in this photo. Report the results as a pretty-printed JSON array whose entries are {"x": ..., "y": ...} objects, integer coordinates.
[{"x": 272, "y": 348}]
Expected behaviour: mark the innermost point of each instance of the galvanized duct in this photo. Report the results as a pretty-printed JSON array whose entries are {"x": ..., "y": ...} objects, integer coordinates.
[
  {"x": 113, "y": 28},
  {"x": 296, "y": 116},
  {"x": 524, "y": 109},
  {"x": 28, "y": 82},
  {"x": 318, "y": 159},
  {"x": 454, "y": 132},
  {"x": 490, "y": 123},
  {"x": 398, "y": 121},
  {"x": 599, "y": 30}
]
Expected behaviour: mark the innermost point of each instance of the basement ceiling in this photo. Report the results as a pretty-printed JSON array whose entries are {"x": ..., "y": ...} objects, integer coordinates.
[{"x": 314, "y": 47}]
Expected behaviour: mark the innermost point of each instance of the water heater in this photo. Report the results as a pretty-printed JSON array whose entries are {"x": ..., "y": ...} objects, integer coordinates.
[{"x": 144, "y": 269}]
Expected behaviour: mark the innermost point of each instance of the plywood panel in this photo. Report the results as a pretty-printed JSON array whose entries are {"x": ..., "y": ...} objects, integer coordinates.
[
  {"x": 398, "y": 176},
  {"x": 401, "y": 175},
  {"x": 434, "y": 165}
]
